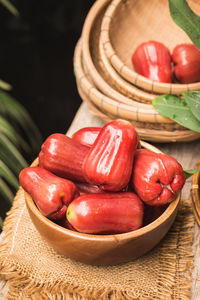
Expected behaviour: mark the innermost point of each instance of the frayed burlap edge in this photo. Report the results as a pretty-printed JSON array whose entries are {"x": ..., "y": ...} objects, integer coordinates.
[{"x": 176, "y": 264}]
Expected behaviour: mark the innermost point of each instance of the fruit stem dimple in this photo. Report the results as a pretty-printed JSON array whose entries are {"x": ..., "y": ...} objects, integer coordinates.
[{"x": 168, "y": 186}]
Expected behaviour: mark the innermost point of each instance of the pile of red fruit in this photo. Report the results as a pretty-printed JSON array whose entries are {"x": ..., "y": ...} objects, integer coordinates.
[
  {"x": 153, "y": 60},
  {"x": 100, "y": 181}
]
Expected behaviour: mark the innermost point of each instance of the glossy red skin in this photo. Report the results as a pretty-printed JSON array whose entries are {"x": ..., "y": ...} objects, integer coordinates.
[
  {"x": 50, "y": 192},
  {"x": 157, "y": 178},
  {"x": 110, "y": 159},
  {"x": 106, "y": 213},
  {"x": 153, "y": 60},
  {"x": 87, "y": 135},
  {"x": 186, "y": 58},
  {"x": 63, "y": 156}
]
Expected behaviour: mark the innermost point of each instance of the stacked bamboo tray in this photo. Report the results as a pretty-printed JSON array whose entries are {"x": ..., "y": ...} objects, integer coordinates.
[{"x": 105, "y": 77}]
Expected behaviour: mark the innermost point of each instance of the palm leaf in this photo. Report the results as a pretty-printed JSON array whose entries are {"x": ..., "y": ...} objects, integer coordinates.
[
  {"x": 13, "y": 110},
  {"x": 8, "y": 175},
  {"x": 13, "y": 135},
  {"x": 10, "y": 7},
  {"x": 5, "y": 86},
  {"x": 10, "y": 162},
  {"x": 12, "y": 151},
  {"x": 5, "y": 191}
]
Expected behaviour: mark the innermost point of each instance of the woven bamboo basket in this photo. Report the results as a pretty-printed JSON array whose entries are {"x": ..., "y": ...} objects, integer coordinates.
[
  {"x": 98, "y": 69},
  {"x": 128, "y": 23},
  {"x": 93, "y": 68},
  {"x": 195, "y": 194},
  {"x": 90, "y": 50},
  {"x": 108, "y": 109}
]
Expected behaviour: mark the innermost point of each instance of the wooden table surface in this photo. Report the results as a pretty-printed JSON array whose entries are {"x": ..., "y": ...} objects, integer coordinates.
[{"x": 187, "y": 154}]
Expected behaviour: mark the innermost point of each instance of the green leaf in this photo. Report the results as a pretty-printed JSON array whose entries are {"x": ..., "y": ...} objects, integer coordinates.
[
  {"x": 10, "y": 7},
  {"x": 5, "y": 191},
  {"x": 14, "y": 111},
  {"x": 10, "y": 162},
  {"x": 189, "y": 173},
  {"x": 193, "y": 101},
  {"x": 8, "y": 175},
  {"x": 5, "y": 86},
  {"x": 13, "y": 135},
  {"x": 186, "y": 19},
  {"x": 12, "y": 151},
  {"x": 176, "y": 109}
]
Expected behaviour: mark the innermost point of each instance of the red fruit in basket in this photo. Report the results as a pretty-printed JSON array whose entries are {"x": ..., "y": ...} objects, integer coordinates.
[
  {"x": 106, "y": 213},
  {"x": 87, "y": 135},
  {"x": 157, "y": 178},
  {"x": 110, "y": 159},
  {"x": 50, "y": 192},
  {"x": 186, "y": 58},
  {"x": 63, "y": 156},
  {"x": 153, "y": 60}
]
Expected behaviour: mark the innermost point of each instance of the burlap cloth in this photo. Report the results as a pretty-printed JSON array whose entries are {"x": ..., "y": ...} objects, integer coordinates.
[{"x": 35, "y": 271}]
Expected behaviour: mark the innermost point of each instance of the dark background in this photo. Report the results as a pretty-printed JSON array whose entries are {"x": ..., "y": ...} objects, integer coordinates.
[{"x": 36, "y": 58}]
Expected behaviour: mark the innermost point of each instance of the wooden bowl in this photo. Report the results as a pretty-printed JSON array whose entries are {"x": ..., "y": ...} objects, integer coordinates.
[
  {"x": 103, "y": 249},
  {"x": 195, "y": 194},
  {"x": 127, "y": 24}
]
